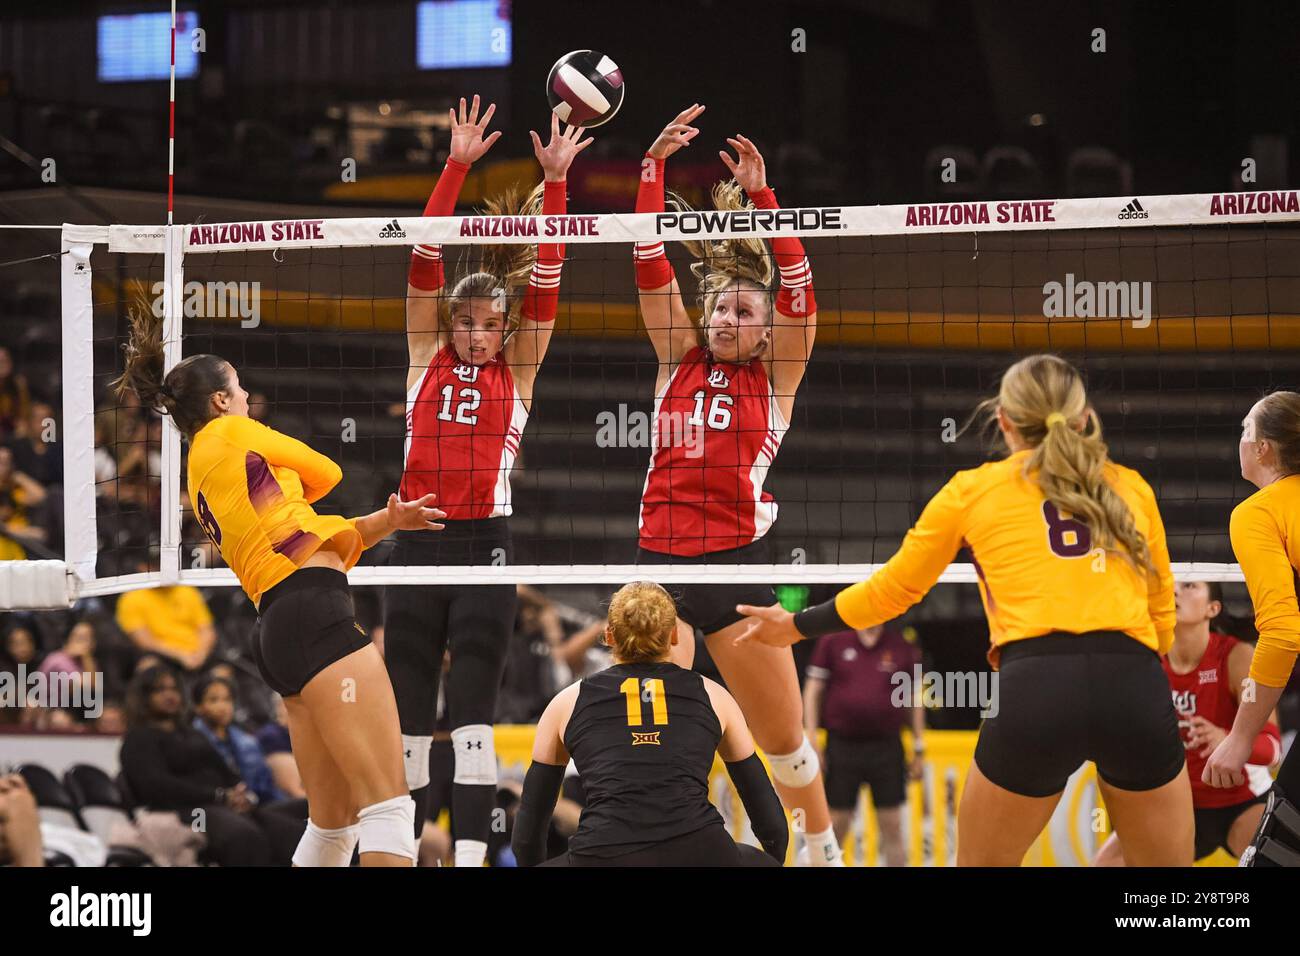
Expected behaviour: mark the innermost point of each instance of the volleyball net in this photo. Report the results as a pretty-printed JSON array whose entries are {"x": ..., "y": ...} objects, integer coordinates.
[{"x": 1180, "y": 310}]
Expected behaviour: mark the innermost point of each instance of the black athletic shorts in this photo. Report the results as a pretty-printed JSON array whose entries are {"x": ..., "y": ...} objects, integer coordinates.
[
  {"x": 1213, "y": 824},
  {"x": 711, "y": 607},
  {"x": 1063, "y": 699},
  {"x": 304, "y": 624},
  {"x": 877, "y": 762},
  {"x": 474, "y": 621},
  {"x": 712, "y": 846}
]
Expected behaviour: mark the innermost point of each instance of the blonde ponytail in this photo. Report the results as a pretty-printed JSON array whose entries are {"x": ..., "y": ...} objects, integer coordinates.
[{"x": 1044, "y": 398}]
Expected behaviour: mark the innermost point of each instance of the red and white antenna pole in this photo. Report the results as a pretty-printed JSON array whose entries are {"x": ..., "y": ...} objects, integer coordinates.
[{"x": 171, "y": 121}]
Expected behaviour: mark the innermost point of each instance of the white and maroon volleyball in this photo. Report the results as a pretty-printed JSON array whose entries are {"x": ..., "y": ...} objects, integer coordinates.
[{"x": 585, "y": 88}]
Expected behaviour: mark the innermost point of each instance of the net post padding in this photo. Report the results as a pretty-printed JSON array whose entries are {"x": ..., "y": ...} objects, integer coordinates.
[
  {"x": 173, "y": 286},
  {"x": 36, "y": 585},
  {"x": 80, "y": 545}
]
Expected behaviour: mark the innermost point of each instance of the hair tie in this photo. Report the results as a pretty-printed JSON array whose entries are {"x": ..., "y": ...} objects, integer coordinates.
[{"x": 1056, "y": 418}]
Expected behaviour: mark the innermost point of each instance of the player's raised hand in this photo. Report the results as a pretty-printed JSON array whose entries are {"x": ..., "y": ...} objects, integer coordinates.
[
  {"x": 773, "y": 626},
  {"x": 748, "y": 168},
  {"x": 1226, "y": 766},
  {"x": 417, "y": 515},
  {"x": 467, "y": 142},
  {"x": 556, "y": 156},
  {"x": 676, "y": 134}
]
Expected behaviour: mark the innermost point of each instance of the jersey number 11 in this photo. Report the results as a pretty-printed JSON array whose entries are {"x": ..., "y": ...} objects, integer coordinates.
[{"x": 653, "y": 693}]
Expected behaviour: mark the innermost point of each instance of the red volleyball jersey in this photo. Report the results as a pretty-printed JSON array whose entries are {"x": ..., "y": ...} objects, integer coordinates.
[
  {"x": 463, "y": 427},
  {"x": 1206, "y": 692},
  {"x": 717, "y": 429}
]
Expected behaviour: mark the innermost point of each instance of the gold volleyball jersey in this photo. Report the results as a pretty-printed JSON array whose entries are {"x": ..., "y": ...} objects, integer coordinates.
[
  {"x": 1038, "y": 569},
  {"x": 252, "y": 488},
  {"x": 1265, "y": 530}
]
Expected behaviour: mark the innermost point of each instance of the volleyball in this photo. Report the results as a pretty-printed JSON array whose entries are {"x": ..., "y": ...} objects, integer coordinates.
[{"x": 585, "y": 88}]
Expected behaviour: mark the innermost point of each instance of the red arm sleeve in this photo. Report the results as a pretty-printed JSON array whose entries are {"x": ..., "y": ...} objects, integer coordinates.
[
  {"x": 653, "y": 270},
  {"x": 426, "y": 261},
  {"x": 542, "y": 297},
  {"x": 796, "y": 295},
  {"x": 1267, "y": 747}
]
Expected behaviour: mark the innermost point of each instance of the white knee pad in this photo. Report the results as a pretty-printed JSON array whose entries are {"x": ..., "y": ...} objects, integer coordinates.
[
  {"x": 476, "y": 755},
  {"x": 388, "y": 827},
  {"x": 320, "y": 847},
  {"x": 797, "y": 769},
  {"x": 415, "y": 753}
]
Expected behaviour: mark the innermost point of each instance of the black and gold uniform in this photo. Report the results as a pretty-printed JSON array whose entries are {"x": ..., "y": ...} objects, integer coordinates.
[{"x": 643, "y": 738}]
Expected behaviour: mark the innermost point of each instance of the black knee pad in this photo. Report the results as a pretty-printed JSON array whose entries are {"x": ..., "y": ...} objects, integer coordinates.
[{"x": 1277, "y": 839}]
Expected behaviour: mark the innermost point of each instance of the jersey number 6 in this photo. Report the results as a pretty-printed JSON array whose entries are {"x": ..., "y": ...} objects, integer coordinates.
[{"x": 1067, "y": 537}]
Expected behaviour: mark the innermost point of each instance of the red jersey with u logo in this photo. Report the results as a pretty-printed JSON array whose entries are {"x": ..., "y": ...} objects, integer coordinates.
[
  {"x": 1205, "y": 692},
  {"x": 717, "y": 429},
  {"x": 463, "y": 427}
]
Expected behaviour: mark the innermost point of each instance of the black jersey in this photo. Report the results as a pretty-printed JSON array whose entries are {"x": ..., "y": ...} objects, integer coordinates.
[{"x": 643, "y": 737}]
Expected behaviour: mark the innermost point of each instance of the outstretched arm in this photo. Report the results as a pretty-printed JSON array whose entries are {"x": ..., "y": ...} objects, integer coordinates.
[
  {"x": 666, "y": 319},
  {"x": 928, "y": 548},
  {"x": 794, "y": 322},
  {"x": 425, "y": 279},
  {"x": 527, "y": 347}
]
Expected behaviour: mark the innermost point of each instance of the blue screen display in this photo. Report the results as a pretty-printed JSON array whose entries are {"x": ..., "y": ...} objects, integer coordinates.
[
  {"x": 137, "y": 46},
  {"x": 455, "y": 34}
]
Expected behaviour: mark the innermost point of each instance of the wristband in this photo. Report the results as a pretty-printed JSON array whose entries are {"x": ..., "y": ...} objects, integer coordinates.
[{"x": 819, "y": 620}]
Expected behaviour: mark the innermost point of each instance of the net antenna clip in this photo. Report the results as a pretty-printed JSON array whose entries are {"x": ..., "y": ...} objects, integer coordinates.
[
  {"x": 976, "y": 237},
  {"x": 278, "y": 255}
]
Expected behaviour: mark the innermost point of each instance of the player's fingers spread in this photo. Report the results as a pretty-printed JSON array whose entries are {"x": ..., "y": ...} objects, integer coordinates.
[
  {"x": 487, "y": 116},
  {"x": 473, "y": 110},
  {"x": 492, "y": 139}
]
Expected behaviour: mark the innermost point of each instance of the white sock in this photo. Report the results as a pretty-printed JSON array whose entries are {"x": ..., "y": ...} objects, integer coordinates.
[
  {"x": 470, "y": 852},
  {"x": 823, "y": 849}
]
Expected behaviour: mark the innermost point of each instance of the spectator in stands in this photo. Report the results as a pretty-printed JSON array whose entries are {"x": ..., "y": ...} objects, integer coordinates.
[
  {"x": 214, "y": 712},
  {"x": 173, "y": 621},
  {"x": 76, "y": 658},
  {"x": 273, "y": 738},
  {"x": 168, "y": 765},
  {"x": 20, "y": 824},
  {"x": 851, "y": 691},
  {"x": 20, "y": 499},
  {"x": 35, "y": 448},
  {"x": 252, "y": 703},
  {"x": 15, "y": 398},
  {"x": 113, "y": 719},
  {"x": 20, "y": 647}
]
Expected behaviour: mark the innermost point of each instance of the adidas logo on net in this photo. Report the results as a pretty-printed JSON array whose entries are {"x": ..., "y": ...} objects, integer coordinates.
[
  {"x": 1134, "y": 210},
  {"x": 393, "y": 230}
]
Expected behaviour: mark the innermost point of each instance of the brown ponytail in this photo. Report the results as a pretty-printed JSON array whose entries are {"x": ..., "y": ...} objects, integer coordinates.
[
  {"x": 1068, "y": 454},
  {"x": 642, "y": 618},
  {"x": 1278, "y": 421},
  {"x": 185, "y": 393}
]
